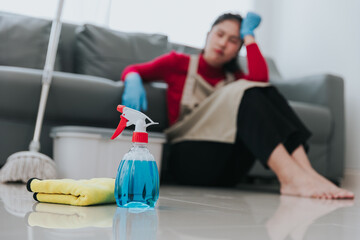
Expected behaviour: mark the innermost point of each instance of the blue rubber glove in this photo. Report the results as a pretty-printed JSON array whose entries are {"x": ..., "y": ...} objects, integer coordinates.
[
  {"x": 134, "y": 95},
  {"x": 249, "y": 24}
]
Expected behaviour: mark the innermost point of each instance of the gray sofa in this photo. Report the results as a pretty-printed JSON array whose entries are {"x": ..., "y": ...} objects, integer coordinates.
[{"x": 86, "y": 89}]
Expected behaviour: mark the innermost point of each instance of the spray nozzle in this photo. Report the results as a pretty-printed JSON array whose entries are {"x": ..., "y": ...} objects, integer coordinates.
[{"x": 129, "y": 117}]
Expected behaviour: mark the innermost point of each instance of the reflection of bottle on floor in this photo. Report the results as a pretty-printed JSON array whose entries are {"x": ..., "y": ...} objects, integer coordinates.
[
  {"x": 135, "y": 224},
  {"x": 137, "y": 180}
]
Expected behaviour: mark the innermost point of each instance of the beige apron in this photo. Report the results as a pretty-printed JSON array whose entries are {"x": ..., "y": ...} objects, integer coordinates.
[{"x": 209, "y": 113}]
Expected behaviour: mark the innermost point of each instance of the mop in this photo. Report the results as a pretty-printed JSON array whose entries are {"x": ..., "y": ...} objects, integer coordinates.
[{"x": 22, "y": 166}]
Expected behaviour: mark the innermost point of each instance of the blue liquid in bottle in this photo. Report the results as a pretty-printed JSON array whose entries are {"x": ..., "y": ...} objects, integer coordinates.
[{"x": 137, "y": 181}]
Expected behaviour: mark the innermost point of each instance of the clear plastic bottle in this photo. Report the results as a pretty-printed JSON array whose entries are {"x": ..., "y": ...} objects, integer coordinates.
[{"x": 137, "y": 180}]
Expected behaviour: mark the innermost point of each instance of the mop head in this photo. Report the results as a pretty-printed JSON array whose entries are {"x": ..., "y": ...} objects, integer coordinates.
[{"x": 24, "y": 165}]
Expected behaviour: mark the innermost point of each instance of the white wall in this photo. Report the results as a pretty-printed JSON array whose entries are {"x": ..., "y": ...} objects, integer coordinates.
[
  {"x": 74, "y": 11},
  {"x": 317, "y": 36},
  {"x": 185, "y": 21}
]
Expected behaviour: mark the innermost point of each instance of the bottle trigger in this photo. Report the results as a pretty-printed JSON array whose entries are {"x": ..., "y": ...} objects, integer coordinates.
[{"x": 120, "y": 127}]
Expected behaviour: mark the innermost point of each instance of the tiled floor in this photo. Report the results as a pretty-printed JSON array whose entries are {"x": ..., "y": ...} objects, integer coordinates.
[{"x": 183, "y": 213}]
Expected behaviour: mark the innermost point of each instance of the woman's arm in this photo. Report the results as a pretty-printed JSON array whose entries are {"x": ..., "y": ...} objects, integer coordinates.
[
  {"x": 258, "y": 70},
  {"x": 156, "y": 69},
  {"x": 134, "y": 95}
]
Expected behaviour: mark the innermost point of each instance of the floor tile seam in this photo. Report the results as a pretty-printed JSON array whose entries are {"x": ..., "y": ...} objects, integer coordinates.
[
  {"x": 335, "y": 225},
  {"x": 222, "y": 227},
  {"x": 196, "y": 203}
]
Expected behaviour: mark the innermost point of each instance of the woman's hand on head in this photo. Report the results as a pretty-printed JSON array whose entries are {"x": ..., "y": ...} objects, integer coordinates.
[{"x": 248, "y": 25}]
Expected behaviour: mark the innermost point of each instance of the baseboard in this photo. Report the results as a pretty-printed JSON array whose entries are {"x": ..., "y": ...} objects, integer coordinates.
[
  {"x": 351, "y": 178},
  {"x": 351, "y": 172}
]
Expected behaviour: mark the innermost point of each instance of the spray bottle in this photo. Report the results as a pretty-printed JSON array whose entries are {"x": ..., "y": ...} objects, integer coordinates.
[{"x": 137, "y": 180}]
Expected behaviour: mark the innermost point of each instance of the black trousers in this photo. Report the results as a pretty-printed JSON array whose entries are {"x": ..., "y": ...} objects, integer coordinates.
[{"x": 264, "y": 120}]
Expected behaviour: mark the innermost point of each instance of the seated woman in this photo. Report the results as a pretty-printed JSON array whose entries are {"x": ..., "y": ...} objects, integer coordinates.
[{"x": 222, "y": 119}]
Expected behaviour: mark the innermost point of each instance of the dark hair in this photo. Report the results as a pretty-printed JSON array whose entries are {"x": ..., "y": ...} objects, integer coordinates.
[{"x": 232, "y": 65}]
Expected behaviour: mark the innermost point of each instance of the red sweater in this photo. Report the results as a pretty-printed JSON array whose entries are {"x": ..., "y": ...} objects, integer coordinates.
[{"x": 173, "y": 67}]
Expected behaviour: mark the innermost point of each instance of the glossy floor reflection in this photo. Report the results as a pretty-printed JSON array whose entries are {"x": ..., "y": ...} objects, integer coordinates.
[{"x": 182, "y": 213}]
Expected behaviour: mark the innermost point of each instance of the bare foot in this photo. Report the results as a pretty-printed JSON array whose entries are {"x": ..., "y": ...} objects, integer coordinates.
[
  {"x": 298, "y": 178},
  {"x": 305, "y": 184},
  {"x": 334, "y": 191},
  {"x": 302, "y": 185}
]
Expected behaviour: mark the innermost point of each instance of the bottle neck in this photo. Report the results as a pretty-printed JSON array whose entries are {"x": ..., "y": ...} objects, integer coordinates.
[{"x": 139, "y": 144}]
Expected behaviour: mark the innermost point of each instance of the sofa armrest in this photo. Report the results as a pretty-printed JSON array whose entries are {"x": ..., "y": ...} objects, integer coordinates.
[
  {"x": 83, "y": 99},
  {"x": 325, "y": 89},
  {"x": 73, "y": 98},
  {"x": 93, "y": 100},
  {"x": 328, "y": 91}
]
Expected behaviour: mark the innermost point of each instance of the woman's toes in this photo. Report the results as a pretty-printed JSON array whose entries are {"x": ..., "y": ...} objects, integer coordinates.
[
  {"x": 327, "y": 196},
  {"x": 349, "y": 194},
  {"x": 344, "y": 194}
]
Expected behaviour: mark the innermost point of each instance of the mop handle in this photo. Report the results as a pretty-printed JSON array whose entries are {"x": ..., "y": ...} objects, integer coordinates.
[{"x": 47, "y": 74}]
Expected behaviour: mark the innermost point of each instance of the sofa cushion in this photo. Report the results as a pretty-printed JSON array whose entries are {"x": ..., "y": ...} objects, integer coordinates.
[
  {"x": 105, "y": 53},
  {"x": 65, "y": 56},
  {"x": 23, "y": 40}
]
